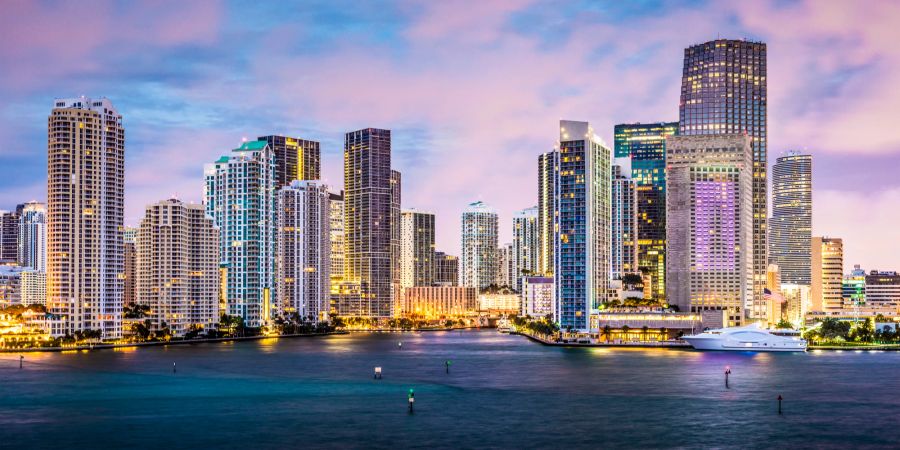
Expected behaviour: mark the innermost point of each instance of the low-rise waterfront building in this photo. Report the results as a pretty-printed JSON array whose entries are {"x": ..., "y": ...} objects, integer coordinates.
[
  {"x": 645, "y": 325},
  {"x": 505, "y": 302},
  {"x": 538, "y": 294},
  {"x": 439, "y": 302}
]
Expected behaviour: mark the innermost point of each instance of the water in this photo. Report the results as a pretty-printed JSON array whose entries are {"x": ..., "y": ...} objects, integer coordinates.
[{"x": 502, "y": 391}]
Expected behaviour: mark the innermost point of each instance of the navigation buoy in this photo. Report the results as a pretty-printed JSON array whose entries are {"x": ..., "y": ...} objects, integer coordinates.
[
  {"x": 727, "y": 372},
  {"x": 411, "y": 398},
  {"x": 21, "y": 358},
  {"x": 779, "y": 403},
  {"x": 377, "y": 373}
]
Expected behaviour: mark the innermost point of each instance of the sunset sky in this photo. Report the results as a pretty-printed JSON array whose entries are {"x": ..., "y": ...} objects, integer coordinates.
[{"x": 473, "y": 91}]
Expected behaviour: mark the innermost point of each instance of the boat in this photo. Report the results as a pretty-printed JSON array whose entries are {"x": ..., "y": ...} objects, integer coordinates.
[{"x": 747, "y": 338}]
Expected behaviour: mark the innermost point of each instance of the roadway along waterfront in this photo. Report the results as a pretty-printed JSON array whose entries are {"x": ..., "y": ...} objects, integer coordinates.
[{"x": 501, "y": 391}]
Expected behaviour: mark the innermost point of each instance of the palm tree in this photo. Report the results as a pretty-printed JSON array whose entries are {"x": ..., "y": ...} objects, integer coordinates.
[
  {"x": 644, "y": 332},
  {"x": 607, "y": 331},
  {"x": 625, "y": 329}
]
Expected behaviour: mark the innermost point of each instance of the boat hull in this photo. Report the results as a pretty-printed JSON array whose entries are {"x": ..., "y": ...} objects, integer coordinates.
[{"x": 723, "y": 345}]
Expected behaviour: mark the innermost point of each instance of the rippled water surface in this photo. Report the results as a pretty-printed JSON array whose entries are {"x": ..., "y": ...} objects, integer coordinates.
[{"x": 502, "y": 391}]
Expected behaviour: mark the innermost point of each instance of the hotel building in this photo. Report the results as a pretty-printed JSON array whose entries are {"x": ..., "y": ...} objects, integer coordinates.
[
  {"x": 416, "y": 248},
  {"x": 479, "y": 265}
]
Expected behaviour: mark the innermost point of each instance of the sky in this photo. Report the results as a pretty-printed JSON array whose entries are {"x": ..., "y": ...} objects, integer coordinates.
[{"x": 472, "y": 91}]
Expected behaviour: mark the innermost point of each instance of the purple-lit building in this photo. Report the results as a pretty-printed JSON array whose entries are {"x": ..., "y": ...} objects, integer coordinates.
[{"x": 709, "y": 224}]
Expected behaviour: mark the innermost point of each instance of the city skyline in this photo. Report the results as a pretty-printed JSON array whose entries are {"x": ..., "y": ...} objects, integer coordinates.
[{"x": 163, "y": 105}]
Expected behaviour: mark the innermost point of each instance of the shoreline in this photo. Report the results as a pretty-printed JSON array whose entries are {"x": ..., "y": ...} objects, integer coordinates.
[
  {"x": 162, "y": 343},
  {"x": 685, "y": 345}
]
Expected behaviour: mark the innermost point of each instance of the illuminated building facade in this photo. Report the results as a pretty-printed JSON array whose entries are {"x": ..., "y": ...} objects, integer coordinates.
[
  {"x": 370, "y": 203},
  {"x": 547, "y": 167},
  {"x": 790, "y": 227},
  {"x": 645, "y": 144},
  {"x": 504, "y": 275},
  {"x": 177, "y": 267},
  {"x": 336, "y": 219},
  {"x": 439, "y": 302},
  {"x": 525, "y": 245},
  {"x": 295, "y": 159},
  {"x": 853, "y": 288},
  {"x": 709, "y": 224},
  {"x": 240, "y": 197},
  {"x": 9, "y": 237},
  {"x": 129, "y": 283},
  {"x": 85, "y": 211},
  {"x": 723, "y": 91},
  {"x": 33, "y": 287},
  {"x": 302, "y": 256},
  {"x": 827, "y": 270},
  {"x": 583, "y": 199},
  {"x": 796, "y": 303},
  {"x": 416, "y": 248},
  {"x": 624, "y": 237},
  {"x": 537, "y": 296},
  {"x": 883, "y": 289},
  {"x": 479, "y": 266}
]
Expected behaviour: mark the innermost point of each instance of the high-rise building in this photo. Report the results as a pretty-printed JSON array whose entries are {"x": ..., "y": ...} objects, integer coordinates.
[
  {"x": 547, "y": 167},
  {"x": 416, "y": 248},
  {"x": 723, "y": 91},
  {"x": 302, "y": 261},
  {"x": 177, "y": 267},
  {"x": 709, "y": 224},
  {"x": 774, "y": 300},
  {"x": 479, "y": 246},
  {"x": 85, "y": 212},
  {"x": 583, "y": 199},
  {"x": 790, "y": 227},
  {"x": 240, "y": 198},
  {"x": 883, "y": 289},
  {"x": 624, "y": 223},
  {"x": 32, "y": 236},
  {"x": 446, "y": 269},
  {"x": 33, "y": 287},
  {"x": 295, "y": 159},
  {"x": 130, "y": 281},
  {"x": 11, "y": 285},
  {"x": 827, "y": 270},
  {"x": 504, "y": 275},
  {"x": 9, "y": 237},
  {"x": 369, "y": 200},
  {"x": 645, "y": 144},
  {"x": 853, "y": 288},
  {"x": 396, "y": 183},
  {"x": 796, "y": 303},
  {"x": 526, "y": 245},
  {"x": 336, "y": 208}
]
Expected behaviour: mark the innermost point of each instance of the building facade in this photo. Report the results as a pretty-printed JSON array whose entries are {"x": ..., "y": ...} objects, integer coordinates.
[
  {"x": 547, "y": 168},
  {"x": 302, "y": 261},
  {"x": 537, "y": 296},
  {"x": 439, "y": 302},
  {"x": 645, "y": 144},
  {"x": 295, "y": 159},
  {"x": 130, "y": 283},
  {"x": 368, "y": 212},
  {"x": 177, "y": 267},
  {"x": 416, "y": 248},
  {"x": 525, "y": 245},
  {"x": 478, "y": 260},
  {"x": 504, "y": 276},
  {"x": 827, "y": 273},
  {"x": 709, "y": 224},
  {"x": 32, "y": 236},
  {"x": 336, "y": 218},
  {"x": 790, "y": 227},
  {"x": 446, "y": 269},
  {"x": 624, "y": 223},
  {"x": 240, "y": 198},
  {"x": 723, "y": 91},
  {"x": 9, "y": 237},
  {"x": 583, "y": 199},
  {"x": 85, "y": 213}
]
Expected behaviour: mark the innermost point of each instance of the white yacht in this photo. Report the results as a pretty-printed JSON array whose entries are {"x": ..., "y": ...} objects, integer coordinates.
[{"x": 746, "y": 338}]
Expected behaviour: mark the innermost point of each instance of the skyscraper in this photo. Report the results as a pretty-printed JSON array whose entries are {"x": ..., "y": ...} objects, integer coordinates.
[
  {"x": 723, "y": 91},
  {"x": 446, "y": 269},
  {"x": 9, "y": 237},
  {"x": 479, "y": 246},
  {"x": 623, "y": 250},
  {"x": 583, "y": 199},
  {"x": 396, "y": 183},
  {"x": 504, "y": 275},
  {"x": 303, "y": 250},
  {"x": 85, "y": 210},
  {"x": 547, "y": 166},
  {"x": 645, "y": 144},
  {"x": 177, "y": 267},
  {"x": 827, "y": 273},
  {"x": 130, "y": 281},
  {"x": 790, "y": 227},
  {"x": 368, "y": 212},
  {"x": 709, "y": 224},
  {"x": 240, "y": 197},
  {"x": 336, "y": 208},
  {"x": 416, "y": 248},
  {"x": 32, "y": 239},
  {"x": 525, "y": 245},
  {"x": 295, "y": 159}
]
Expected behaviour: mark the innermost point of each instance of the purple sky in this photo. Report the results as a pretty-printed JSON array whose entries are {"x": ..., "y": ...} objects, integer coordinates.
[{"x": 472, "y": 91}]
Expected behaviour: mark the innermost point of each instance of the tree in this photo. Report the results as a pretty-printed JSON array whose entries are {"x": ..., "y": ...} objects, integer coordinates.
[
  {"x": 645, "y": 331},
  {"x": 625, "y": 329},
  {"x": 784, "y": 324},
  {"x": 866, "y": 331},
  {"x": 607, "y": 332}
]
